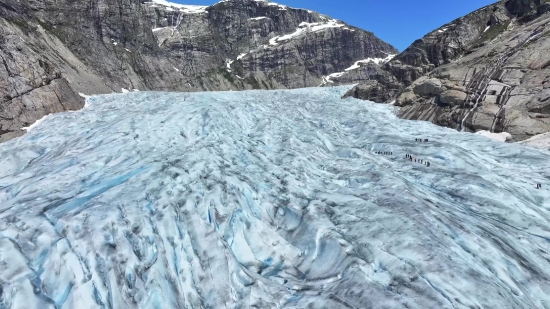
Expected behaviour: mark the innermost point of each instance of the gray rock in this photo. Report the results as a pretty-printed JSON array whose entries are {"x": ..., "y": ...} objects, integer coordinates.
[
  {"x": 493, "y": 67},
  {"x": 452, "y": 97},
  {"x": 428, "y": 87},
  {"x": 444, "y": 44},
  {"x": 51, "y": 52},
  {"x": 407, "y": 97}
]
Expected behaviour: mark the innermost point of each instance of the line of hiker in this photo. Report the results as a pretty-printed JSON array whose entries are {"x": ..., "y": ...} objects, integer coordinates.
[
  {"x": 539, "y": 186},
  {"x": 386, "y": 153},
  {"x": 408, "y": 156},
  {"x": 421, "y": 140}
]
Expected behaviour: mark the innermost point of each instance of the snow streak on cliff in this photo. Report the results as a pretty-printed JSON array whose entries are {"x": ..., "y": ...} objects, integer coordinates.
[{"x": 269, "y": 200}]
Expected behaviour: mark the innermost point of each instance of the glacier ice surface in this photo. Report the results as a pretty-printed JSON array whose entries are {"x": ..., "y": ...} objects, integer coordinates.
[{"x": 267, "y": 199}]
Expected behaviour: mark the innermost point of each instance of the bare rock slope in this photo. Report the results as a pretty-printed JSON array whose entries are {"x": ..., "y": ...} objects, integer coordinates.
[
  {"x": 488, "y": 70},
  {"x": 53, "y": 50}
]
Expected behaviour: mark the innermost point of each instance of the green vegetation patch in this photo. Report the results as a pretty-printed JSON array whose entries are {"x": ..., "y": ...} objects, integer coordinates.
[
  {"x": 253, "y": 82},
  {"x": 46, "y": 26},
  {"x": 23, "y": 25},
  {"x": 227, "y": 75},
  {"x": 493, "y": 32}
]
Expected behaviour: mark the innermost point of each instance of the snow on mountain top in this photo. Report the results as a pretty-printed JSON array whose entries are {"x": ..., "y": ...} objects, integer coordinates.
[
  {"x": 284, "y": 7},
  {"x": 192, "y": 9}
]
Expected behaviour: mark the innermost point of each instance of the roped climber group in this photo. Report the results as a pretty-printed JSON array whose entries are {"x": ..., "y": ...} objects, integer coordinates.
[
  {"x": 408, "y": 156},
  {"x": 424, "y": 162}
]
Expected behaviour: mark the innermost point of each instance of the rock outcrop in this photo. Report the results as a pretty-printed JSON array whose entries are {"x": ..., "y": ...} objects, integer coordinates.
[
  {"x": 499, "y": 84},
  {"x": 488, "y": 70},
  {"x": 54, "y": 50}
]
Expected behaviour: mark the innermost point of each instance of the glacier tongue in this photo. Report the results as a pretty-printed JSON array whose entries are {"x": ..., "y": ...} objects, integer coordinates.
[{"x": 267, "y": 199}]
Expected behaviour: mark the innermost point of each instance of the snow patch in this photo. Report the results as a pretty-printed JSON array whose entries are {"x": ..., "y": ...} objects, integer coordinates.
[
  {"x": 170, "y": 6},
  {"x": 86, "y": 97},
  {"x": 306, "y": 27},
  {"x": 501, "y": 137},
  {"x": 486, "y": 29},
  {"x": 228, "y": 63},
  {"x": 239, "y": 57},
  {"x": 538, "y": 141},
  {"x": 281, "y": 7},
  {"x": 259, "y": 18},
  {"x": 355, "y": 66},
  {"x": 125, "y": 90},
  {"x": 35, "y": 124}
]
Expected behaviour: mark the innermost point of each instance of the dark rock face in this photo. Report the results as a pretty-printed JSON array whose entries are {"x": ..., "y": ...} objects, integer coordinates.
[{"x": 66, "y": 47}]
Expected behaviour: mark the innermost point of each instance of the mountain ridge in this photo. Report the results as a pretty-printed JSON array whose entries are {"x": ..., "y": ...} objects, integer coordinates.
[
  {"x": 96, "y": 47},
  {"x": 481, "y": 72}
]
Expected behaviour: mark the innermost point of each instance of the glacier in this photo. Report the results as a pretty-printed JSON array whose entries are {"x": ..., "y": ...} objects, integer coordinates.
[{"x": 267, "y": 199}]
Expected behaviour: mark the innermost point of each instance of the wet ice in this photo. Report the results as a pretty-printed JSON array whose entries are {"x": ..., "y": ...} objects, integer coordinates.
[{"x": 273, "y": 199}]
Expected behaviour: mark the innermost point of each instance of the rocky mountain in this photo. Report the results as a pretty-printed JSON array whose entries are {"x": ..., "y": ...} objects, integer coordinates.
[
  {"x": 53, "y": 50},
  {"x": 488, "y": 70}
]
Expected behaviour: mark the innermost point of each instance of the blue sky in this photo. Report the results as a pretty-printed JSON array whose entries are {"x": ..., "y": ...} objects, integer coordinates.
[{"x": 398, "y": 22}]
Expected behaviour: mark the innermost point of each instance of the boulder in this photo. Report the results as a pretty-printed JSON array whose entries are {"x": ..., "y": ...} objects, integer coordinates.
[
  {"x": 429, "y": 87},
  {"x": 452, "y": 97},
  {"x": 406, "y": 98}
]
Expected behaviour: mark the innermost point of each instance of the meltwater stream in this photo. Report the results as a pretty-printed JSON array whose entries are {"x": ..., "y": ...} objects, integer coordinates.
[{"x": 267, "y": 199}]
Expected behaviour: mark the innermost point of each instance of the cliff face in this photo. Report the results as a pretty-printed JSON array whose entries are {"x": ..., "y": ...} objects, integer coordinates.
[
  {"x": 488, "y": 70},
  {"x": 53, "y": 50}
]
